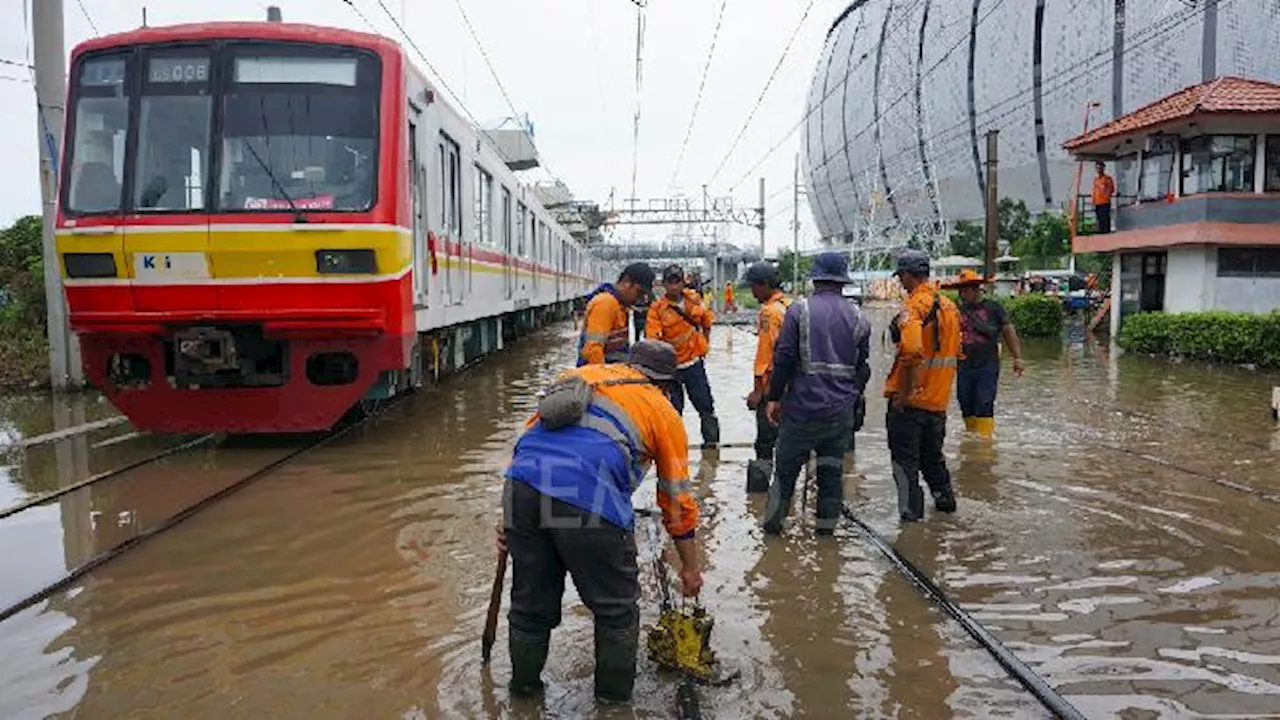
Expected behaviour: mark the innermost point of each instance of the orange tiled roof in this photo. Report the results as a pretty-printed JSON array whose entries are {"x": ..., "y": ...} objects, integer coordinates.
[{"x": 1225, "y": 95}]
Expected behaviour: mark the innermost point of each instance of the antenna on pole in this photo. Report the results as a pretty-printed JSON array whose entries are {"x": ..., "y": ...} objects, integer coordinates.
[
  {"x": 273, "y": 14},
  {"x": 144, "y": 16}
]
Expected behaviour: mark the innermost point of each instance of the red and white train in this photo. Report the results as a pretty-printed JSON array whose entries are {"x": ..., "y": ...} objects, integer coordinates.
[{"x": 263, "y": 224}]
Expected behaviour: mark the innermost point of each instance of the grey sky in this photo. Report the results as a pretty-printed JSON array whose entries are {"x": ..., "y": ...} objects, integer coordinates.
[{"x": 568, "y": 63}]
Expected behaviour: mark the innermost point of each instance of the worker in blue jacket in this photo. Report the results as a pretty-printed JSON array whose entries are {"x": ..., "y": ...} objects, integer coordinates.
[{"x": 820, "y": 371}]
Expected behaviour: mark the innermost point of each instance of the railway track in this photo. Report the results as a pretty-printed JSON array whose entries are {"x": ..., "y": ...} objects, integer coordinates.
[{"x": 171, "y": 521}]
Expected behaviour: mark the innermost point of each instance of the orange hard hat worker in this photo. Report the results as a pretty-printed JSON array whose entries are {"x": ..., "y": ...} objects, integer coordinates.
[{"x": 966, "y": 278}]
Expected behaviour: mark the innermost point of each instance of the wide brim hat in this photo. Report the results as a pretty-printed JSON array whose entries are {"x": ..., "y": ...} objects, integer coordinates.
[
  {"x": 967, "y": 278},
  {"x": 830, "y": 267}
]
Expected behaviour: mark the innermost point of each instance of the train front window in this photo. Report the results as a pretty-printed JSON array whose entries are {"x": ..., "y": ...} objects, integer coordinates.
[
  {"x": 300, "y": 131},
  {"x": 101, "y": 124},
  {"x": 172, "y": 161}
]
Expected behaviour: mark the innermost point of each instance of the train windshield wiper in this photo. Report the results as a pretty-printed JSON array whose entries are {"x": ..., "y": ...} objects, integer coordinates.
[{"x": 271, "y": 175}]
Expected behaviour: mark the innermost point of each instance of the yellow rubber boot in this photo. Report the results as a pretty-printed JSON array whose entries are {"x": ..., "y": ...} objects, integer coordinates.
[
  {"x": 985, "y": 426},
  {"x": 970, "y": 423}
]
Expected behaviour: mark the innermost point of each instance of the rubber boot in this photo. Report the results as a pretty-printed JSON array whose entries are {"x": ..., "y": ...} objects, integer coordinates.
[
  {"x": 528, "y": 655},
  {"x": 985, "y": 426},
  {"x": 910, "y": 496},
  {"x": 970, "y": 423},
  {"x": 616, "y": 662},
  {"x": 710, "y": 430},
  {"x": 758, "y": 474},
  {"x": 776, "y": 510},
  {"x": 828, "y": 517},
  {"x": 944, "y": 501}
]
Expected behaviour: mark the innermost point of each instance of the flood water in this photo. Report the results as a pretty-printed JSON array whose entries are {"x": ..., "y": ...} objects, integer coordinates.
[{"x": 1117, "y": 535}]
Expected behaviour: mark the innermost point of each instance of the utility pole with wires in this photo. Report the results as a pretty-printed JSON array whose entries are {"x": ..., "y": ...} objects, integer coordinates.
[
  {"x": 65, "y": 368},
  {"x": 795, "y": 227},
  {"x": 993, "y": 204}
]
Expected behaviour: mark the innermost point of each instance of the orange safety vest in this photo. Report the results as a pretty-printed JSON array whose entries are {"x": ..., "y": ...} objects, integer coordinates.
[{"x": 929, "y": 330}]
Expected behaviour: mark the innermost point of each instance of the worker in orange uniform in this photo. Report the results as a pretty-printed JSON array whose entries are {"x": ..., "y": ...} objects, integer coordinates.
[
  {"x": 606, "y": 335},
  {"x": 1104, "y": 187},
  {"x": 983, "y": 324},
  {"x": 927, "y": 333},
  {"x": 729, "y": 304},
  {"x": 680, "y": 318},
  {"x": 567, "y": 508},
  {"x": 766, "y": 287}
]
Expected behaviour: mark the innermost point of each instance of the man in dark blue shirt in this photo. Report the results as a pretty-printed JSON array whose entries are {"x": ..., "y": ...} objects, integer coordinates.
[{"x": 820, "y": 372}]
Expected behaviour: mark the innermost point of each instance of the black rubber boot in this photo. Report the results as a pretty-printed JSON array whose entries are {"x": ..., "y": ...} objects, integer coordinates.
[
  {"x": 528, "y": 654},
  {"x": 710, "y": 430},
  {"x": 828, "y": 517},
  {"x": 944, "y": 501},
  {"x": 616, "y": 662},
  {"x": 758, "y": 474}
]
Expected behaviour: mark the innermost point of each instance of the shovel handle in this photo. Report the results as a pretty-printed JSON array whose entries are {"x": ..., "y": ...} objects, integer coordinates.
[{"x": 495, "y": 603}]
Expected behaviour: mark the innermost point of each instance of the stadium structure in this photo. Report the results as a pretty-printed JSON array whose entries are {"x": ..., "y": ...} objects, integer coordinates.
[{"x": 905, "y": 92}]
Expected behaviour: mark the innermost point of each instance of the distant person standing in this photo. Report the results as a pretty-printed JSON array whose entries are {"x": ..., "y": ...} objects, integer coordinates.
[
  {"x": 927, "y": 333},
  {"x": 729, "y": 305},
  {"x": 681, "y": 319},
  {"x": 1104, "y": 188},
  {"x": 766, "y": 287},
  {"x": 983, "y": 323}
]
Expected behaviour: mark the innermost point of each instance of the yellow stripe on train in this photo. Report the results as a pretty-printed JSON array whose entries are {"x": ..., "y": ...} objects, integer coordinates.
[{"x": 239, "y": 252}]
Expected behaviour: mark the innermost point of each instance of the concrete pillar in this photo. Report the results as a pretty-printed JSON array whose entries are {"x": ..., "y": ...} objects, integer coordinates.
[
  {"x": 1260, "y": 165},
  {"x": 1116, "y": 298}
]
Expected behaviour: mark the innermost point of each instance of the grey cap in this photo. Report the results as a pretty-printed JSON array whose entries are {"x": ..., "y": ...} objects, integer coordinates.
[
  {"x": 761, "y": 273},
  {"x": 654, "y": 358},
  {"x": 914, "y": 262}
]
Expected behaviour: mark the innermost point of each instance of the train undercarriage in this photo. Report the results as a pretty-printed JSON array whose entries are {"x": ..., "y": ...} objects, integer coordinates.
[{"x": 236, "y": 378}]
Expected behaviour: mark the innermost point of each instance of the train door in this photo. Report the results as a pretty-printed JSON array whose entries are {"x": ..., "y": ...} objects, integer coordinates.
[
  {"x": 536, "y": 251},
  {"x": 508, "y": 269},
  {"x": 560, "y": 267},
  {"x": 451, "y": 218},
  {"x": 418, "y": 206}
]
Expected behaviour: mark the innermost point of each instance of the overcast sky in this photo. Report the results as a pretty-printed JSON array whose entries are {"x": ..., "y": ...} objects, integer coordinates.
[{"x": 569, "y": 64}]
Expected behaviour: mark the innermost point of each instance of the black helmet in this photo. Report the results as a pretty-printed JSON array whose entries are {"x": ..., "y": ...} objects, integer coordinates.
[
  {"x": 762, "y": 273},
  {"x": 913, "y": 262},
  {"x": 654, "y": 358}
]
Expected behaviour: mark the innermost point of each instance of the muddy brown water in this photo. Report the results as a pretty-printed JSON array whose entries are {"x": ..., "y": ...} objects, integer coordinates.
[{"x": 354, "y": 583}]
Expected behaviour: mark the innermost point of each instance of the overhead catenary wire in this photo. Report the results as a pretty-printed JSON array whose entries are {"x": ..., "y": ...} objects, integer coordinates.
[
  {"x": 702, "y": 86},
  {"x": 760, "y": 100},
  {"x": 85, "y": 11}
]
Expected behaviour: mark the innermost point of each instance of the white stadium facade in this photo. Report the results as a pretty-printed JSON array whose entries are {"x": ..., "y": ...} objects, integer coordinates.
[{"x": 905, "y": 92}]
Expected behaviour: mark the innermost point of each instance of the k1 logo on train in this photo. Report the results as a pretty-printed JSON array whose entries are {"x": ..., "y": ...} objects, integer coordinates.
[{"x": 262, "y": 225}]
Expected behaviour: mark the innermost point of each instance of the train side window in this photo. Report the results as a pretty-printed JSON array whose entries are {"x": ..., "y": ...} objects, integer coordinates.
[
  {"x": 506, "y": 220},
  {"x": 450, "y": 187}
]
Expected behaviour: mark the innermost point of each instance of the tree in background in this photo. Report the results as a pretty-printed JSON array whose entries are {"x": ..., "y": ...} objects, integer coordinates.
[
  {"x": 968, "y": 239},
  {"x": 1045, "y": 242},
  {"x": 24, "y": 353},
  {"x": 786, "y": 268},
  {"x": 1014, "y": 221}
]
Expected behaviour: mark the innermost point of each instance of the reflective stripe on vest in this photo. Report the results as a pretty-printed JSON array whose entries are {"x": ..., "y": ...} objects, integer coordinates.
[
  {"x": 931, "y": 363},
  {"x": 807, "y": 366},
  {"x": 608, "y": 418}
]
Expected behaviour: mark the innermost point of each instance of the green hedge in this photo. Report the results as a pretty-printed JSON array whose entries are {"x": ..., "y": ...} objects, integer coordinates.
[
  {"x": 1225, "y": 337},
  {"x": 1033, "y": 314}
]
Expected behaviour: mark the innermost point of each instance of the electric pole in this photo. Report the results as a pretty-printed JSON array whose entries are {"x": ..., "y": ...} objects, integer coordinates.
[
  {"x": 795, "y": 228},
  {"x": 993, "y": 204},
  {"x": 762, "y": 219},
  {"x": 65, "y": 369}
]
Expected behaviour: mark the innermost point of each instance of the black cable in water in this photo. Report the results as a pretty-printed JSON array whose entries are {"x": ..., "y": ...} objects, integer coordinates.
[{"x": 1036, "y": 685}]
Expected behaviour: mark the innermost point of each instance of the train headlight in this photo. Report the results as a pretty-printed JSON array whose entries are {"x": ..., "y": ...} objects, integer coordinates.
[
  {"x": 346, "y": 262},
  {"x": 89, "y": 265}
]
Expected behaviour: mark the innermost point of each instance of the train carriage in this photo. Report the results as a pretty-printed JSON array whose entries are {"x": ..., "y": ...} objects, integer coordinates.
[{"x": 263, "y": 224}]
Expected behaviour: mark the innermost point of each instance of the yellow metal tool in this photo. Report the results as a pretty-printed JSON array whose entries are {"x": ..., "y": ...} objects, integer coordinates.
[{"x": 681, "y": 641}]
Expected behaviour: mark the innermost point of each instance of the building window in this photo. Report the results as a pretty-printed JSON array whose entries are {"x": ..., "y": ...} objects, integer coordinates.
[
  {"x": 1218, "y": 163},
  {"x": 1126, "y": 180},
  {"x": 1248, "y": 262},
  {"x": 1157, "y": 176},
  {"x": 1273, "y": 164}
]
